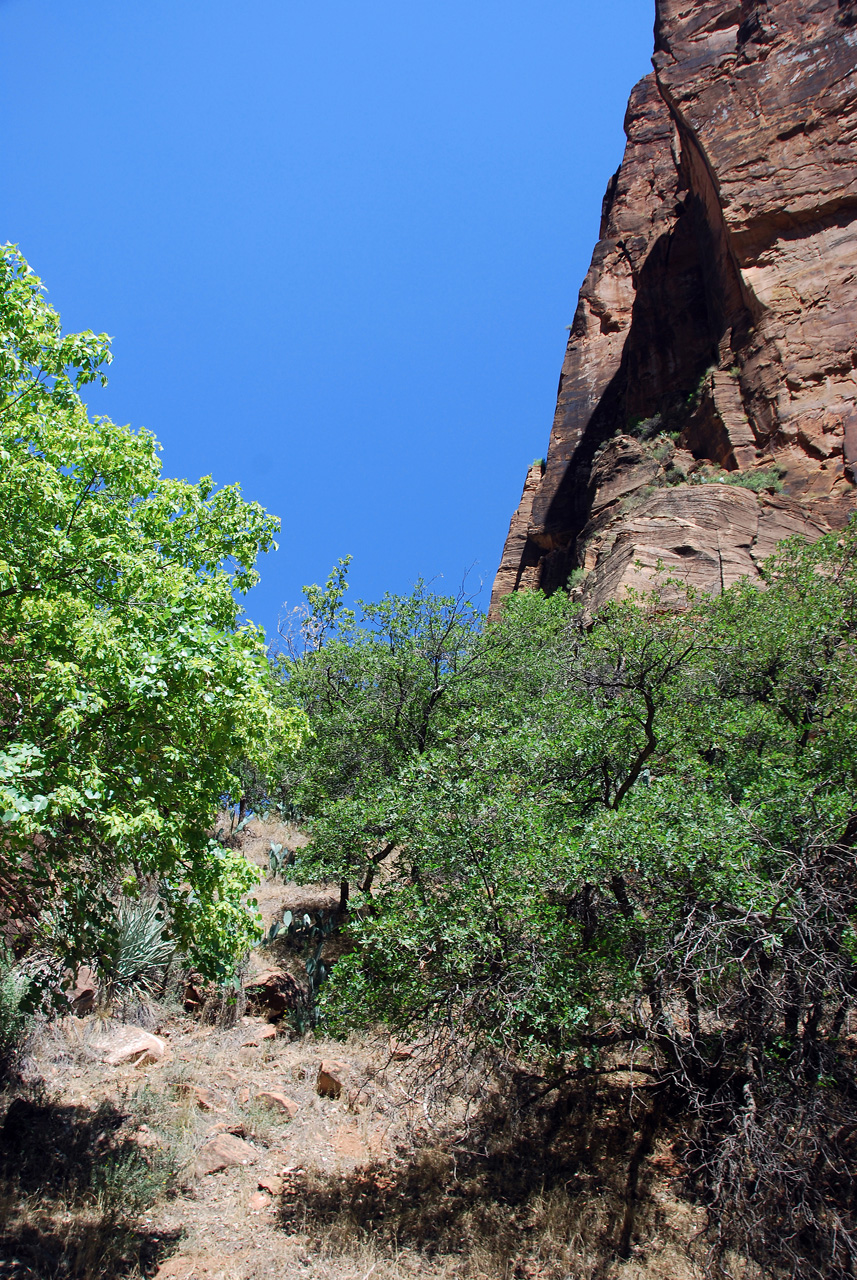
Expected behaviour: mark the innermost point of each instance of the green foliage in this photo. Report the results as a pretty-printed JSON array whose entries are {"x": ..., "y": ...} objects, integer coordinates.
[
  {"x": 14, "y": 1005},
  {"x": 130, "y": 686},
  {"x": 375, "y": 695},
  {"x": 308, "y": 934},
  {"x": 141, "y": 953},
  {"x": 631, "y": 838},
  {"x": 646, "y": 428},
  {"x": 125, "y": 1183},
  {"x": 767, "y": 479}
]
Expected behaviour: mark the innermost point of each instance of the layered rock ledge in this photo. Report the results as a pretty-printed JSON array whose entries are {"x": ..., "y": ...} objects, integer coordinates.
[{"x": 707, "y": 405}]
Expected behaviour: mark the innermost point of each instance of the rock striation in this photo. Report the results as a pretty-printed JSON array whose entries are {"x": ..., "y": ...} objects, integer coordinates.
[{"x": 707, "y": 405}]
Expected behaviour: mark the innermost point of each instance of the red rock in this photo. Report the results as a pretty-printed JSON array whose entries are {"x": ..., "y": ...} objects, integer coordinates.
[
  {"x": 83, "y": 994},
  {"x": 194, "y": 997},
  {"x": 329, "y": 1082},
  {"x": 261, "y": 1033},
  {"x": 207, "y": 1099},
  {"x": 222, "y": 1152},
  {"x": 274, "y": 990},
  {"x": 272, "y": 1184},
  {"x": 146, "y": 1139},
  {"x": 124, "y": 1044},
  {"x": 259, "y": 1200},
  {"x": 278, "y": 1102},
  {"x": 721, "y": 304}
]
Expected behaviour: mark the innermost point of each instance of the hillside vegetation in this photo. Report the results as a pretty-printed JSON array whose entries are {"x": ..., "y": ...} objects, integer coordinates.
[{"x": 588, "y": 866}]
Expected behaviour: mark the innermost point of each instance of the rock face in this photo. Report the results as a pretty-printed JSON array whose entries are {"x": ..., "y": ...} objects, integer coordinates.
[{"x": 708, "y": 400}]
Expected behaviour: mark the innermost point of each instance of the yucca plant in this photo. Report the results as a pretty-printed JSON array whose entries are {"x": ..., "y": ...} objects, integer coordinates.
[{"x": 141, "y": 953}]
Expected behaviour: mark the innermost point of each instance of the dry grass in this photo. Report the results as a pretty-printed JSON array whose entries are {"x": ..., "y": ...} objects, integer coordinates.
[
  {"x": 488, "y": 1189},
  {"x": 73, "y": 1185},
  {"x": 542, "y": 1194},
  {"x": 396, "y": 1178}
]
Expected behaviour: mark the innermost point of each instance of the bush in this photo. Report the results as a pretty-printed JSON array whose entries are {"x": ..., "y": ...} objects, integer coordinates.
[
  {"x": 141, "y": 953},
  {"x": 631, "y": 840},
  {"x": 759, "y": 481},
  {"x": 14, "y": 1015}
]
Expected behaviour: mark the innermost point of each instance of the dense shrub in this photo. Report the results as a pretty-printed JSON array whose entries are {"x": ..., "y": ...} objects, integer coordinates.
[{"x": 630, "y": 839}]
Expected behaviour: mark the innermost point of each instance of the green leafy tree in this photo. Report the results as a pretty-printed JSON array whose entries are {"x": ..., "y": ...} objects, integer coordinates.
[
  {"x": 633, "y": 845},
  {"x": 376, "y": 695},
  {"x": 129, "y": 683}
]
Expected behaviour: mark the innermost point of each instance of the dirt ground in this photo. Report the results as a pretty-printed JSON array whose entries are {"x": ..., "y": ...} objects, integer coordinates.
[{"x": 374, "y": 1183}]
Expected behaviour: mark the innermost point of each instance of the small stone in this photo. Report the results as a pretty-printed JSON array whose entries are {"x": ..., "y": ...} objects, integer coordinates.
[
  {"x": 263, "y": 1033},
  {"x": 330, "y": 1076},
  {"x": 259, "y": 1200},
  {"x": 222, "y": 1152},
  {"x": 272, "y": 1184},
  {"x": 145, "y": 1138},
  {"x": 244, "y": 1096},
  {"x": 278, "y": 1102}
]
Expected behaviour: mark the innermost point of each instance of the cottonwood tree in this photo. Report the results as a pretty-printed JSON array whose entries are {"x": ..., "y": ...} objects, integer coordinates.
[{"x": 129, "y": 681}]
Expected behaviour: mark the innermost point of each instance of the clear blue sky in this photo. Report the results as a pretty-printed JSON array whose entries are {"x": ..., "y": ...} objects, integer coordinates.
[{"x": 336, "y": 243}]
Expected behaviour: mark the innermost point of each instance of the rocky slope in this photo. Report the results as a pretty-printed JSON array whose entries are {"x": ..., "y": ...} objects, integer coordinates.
[{"x": 707, "y": 405}]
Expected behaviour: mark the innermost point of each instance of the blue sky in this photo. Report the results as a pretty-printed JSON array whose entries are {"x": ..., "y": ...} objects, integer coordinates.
[{"x": 337, "y": 245}]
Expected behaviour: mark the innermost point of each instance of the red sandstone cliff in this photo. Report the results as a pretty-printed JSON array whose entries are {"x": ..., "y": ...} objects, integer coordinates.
[{"x": 708, "y": 400}]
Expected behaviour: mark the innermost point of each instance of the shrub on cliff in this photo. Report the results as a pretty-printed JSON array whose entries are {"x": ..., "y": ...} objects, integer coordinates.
[{"x": 128, "y": 681}]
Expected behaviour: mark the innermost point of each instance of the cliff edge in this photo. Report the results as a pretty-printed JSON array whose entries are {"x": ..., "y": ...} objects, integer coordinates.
[{"x": 707, "y": 404}]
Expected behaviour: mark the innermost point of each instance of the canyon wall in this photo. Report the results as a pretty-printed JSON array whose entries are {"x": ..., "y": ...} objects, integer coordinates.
[{"x": 707, "y": 405}]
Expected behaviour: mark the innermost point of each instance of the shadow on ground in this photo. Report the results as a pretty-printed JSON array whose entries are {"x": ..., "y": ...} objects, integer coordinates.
[
  {"x": 568, "y": 1179},
  {"x": 72, "y": 1187}
]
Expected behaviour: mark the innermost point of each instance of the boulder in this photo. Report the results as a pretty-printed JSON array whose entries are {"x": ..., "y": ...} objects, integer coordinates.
[
  {"x": 223, "y": 1151},
  {"x": 276, "y": 1101},
  {"x": 83, "y": 994},
  {"x": 330, "y": 1080},
  {"x": 274, "y": 990},
  {"x": 128, "y": 1044}
]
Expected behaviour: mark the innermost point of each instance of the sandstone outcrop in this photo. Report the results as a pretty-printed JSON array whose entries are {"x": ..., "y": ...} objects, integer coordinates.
[{"x": 707, "y": 406}]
